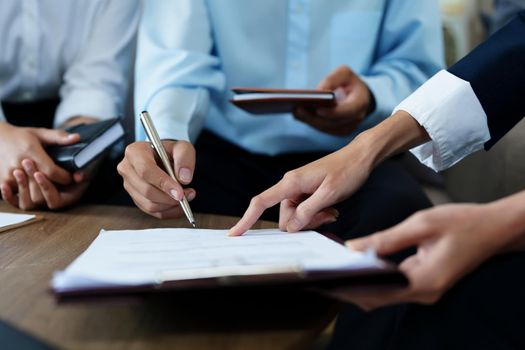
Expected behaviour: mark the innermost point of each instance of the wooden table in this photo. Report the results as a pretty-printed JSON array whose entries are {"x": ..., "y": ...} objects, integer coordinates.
[{"x": 212, "y": 320}]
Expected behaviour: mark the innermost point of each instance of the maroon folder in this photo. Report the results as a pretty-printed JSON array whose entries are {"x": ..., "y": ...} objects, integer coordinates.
[{"x": 277, "y": 101}]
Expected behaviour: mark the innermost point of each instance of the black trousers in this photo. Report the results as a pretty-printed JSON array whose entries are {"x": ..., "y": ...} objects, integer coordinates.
[
  {"x": 227, "y": 177},
  {"x": 485, "y": 310}
]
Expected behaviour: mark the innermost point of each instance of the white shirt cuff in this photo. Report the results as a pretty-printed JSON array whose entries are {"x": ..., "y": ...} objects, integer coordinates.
[{"x": 448, "y": 109}]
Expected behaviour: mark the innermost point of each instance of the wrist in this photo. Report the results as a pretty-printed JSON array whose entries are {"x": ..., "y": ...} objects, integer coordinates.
[
  {"x": 510, "y": 212},
  {"x": 371, "y": 102},
  {"x": 398, "y": 133}
]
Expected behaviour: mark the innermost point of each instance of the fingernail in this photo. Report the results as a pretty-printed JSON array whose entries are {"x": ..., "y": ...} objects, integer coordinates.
[
  {"x": 78, "y": 176},
  {"x": 185, "y": 175},
  {"x": 191, "y": 196},
  {"x": 175, "y": 195},
  {"x": 332, "y": 220},
  {"x": 294, "y": 225},
  {"x": 334, "y": 212},
  {"x": 72, "y": 136},
  {"x": 354, "y": 245},
  {"x": 350, "y": 245},
  {"x": 27, "y": 166},
  {"x": 18, "y": 176},
  {"x": 38, "y": 178}
]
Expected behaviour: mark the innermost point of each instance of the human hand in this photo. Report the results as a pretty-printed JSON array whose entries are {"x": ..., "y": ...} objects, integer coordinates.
[
  {"x": 18, "y": 143},
  {"x": 351, "y": 109},
  {"x": 451, "y": 240},
  {"x": 35, "y": 190},
  {"x": 150, "y": 187},
  {"x": 307, "y": 193}
]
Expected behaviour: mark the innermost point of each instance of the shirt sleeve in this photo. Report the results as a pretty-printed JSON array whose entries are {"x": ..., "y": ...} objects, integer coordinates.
[
  {"x": 409, "y": 52},
  {"x": 96, "y": 82},
  {"x": 176, "y": 70},
  {"x": 447, "y": 107},
  {"x": 496, "y": 71}
]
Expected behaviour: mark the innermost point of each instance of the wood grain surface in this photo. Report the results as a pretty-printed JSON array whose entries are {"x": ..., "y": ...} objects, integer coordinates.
[{"x": 283, "y": 319}]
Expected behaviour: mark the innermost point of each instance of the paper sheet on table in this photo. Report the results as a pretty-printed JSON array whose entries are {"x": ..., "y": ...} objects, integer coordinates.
[
  {"x": 9, "y": 221},
  {"x": 128, "y": 258}
]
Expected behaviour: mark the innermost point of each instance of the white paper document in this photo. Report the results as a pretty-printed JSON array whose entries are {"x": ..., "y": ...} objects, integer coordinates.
[
  {"x": 8, "y": 220},
  {"x": 129, "y": 258}
]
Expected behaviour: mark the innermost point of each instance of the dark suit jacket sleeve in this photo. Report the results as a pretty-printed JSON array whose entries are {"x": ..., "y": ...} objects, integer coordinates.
[{"x": 496, "y": 72}]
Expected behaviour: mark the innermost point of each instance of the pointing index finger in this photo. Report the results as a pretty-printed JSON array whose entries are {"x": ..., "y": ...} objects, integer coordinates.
[{"x": 258, "y": 205}]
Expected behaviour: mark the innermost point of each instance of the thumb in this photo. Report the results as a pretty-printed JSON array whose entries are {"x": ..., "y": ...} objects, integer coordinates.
[
  {"x": 55, "y": 136},
  {"x": 404, "y": 235},
  {"x": 183, "y": 154},
  {"x": 340, "y": 76}
]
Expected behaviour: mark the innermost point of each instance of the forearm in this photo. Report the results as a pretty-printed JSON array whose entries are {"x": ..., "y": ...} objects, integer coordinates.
[
  {"x": 398, "y": 133},
  {"x": 510, "y": 211}
]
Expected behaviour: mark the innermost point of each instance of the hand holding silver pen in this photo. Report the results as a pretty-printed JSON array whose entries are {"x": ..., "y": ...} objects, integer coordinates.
[{"x": 156, "y": 143}]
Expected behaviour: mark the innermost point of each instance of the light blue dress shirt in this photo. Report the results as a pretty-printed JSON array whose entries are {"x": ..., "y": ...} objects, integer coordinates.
[{"x": 191, "y": 52}]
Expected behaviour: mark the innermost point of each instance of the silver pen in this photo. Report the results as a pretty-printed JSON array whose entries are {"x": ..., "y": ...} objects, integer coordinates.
[{"x": 154, "y": 138}]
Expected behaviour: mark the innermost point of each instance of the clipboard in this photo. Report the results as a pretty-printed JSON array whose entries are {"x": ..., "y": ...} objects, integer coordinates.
[
  {"x": 111, "y": 269},
  {"x": 386, "y": 278}
]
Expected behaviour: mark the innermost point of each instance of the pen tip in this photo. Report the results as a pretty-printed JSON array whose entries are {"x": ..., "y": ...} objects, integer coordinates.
[{"x": 193, "y": 224}]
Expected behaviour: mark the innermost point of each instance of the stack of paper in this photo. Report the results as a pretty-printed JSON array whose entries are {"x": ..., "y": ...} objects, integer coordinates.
[
  {"x": 131, "y": 258},
  {"x": 9, "y": 221}
]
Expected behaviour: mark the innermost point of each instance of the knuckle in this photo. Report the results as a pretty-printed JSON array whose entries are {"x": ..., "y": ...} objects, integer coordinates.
[
  {"x": 305, "y": 209},
  {"x": 142, "y": 171},
  {"x": 26, "y": 148},
  {"x": 292, "y": 177},
  {"x": 345, "y": 69},
  {"x": 129, "y": 150},
  {"x": 256, "y": 201},
  {"x": 121, "y": 167},
  {"x": 330, "y": 189},
  {"x": 165, "y": 183},
  {"x": 134, "y": 147},
  {"x": 423, "y": 219}
]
